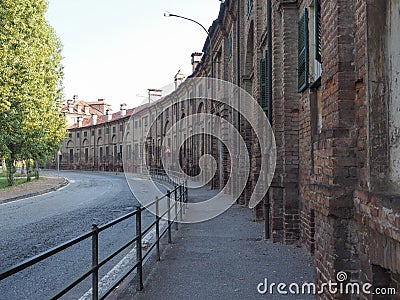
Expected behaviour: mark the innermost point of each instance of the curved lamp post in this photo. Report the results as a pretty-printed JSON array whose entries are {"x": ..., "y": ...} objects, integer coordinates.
[{"x": 167, "y": 14}]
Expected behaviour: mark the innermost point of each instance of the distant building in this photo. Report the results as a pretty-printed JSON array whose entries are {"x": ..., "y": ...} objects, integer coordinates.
[{"x": 83, "y": 110}]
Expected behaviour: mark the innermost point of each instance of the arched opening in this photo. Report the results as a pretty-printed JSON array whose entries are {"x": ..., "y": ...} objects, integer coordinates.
[
  {"x": 167, "y": 143},
  {"x": 70, "y": 151}
]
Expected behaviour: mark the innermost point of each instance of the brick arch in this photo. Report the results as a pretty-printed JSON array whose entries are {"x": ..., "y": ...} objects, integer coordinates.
[
  {"x": 166, "y": 127},
  {"x": 200, "y": 107},
  {"x": 127, "y": 137}
]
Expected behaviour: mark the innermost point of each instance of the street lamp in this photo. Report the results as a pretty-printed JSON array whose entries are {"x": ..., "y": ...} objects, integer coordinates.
[{"x": 167, "y": 14}]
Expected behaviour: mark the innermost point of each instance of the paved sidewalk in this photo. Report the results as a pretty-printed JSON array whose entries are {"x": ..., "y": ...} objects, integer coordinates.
[
  {"x": 224, "y": 258},
  {"x": 46, "y": 183}
]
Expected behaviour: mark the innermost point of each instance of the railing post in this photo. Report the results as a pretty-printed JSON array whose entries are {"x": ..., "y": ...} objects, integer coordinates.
[
  {"x": 95, "y": 262},
  {"x": 176, "y": 207},
  {"x": 186, "y": 193},
  {"x": 169, "y": 216},
  {"x": 180, "y": 202},
  {"x": 158, "y": 229},
  {"x": 139, "y": 247}
]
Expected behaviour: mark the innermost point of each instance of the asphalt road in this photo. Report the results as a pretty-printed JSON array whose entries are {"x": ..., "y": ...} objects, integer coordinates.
[{"x": 31, "y": 226}]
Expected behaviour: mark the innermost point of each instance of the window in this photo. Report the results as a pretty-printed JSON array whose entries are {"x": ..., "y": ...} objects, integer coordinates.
[
  {"x": 182, "y": 105},
  {"x": 107, "y": 130},
  {"x": 175, "y": 110},
  {"x": 99, "y": 131},
  {"x": 128, "y": 126},
  {"x": 200, "y": 88},
  {"x": 309, "y": 55},
  {"x": 136, "y": 124},
  {"x": 128, "y": 151},
  {"x": 115, "y": 152},
  {"x": 78, "y": 135},
  {"x": 70, "y": 135},
  {"x": 93, "y": 132},
  {"x": 249, "y": 7},
  {"x": 146, "y": 121},
  {"x": 114, "y": 129},
  {"x": 85, "y": 134},
  {"x": 101, "y": 153},
  {"x": 191, "y": 98},
  {"x": 121, "y": 127},
  {"x": 167, "y": 113},
  {"x": 86, "y": 154},
  {"x": 303, "y": 51},
  {"x": 136, "y": 153},
  {"x": 71, "y": 155},
  {"x": 107, "y": 152},
  {"x": 265, "y": 88},
  {"x": 120, "y": 151},
  {"x": 218, "y": 70},
  {"x": 230, "y": 46},
  {"x": 140, "y": 123}
]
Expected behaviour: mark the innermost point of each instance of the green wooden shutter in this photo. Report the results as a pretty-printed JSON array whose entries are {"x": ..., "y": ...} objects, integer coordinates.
[
  {"x": 230, "y": 45},
  {"x": 303, "y": 52},
  {"x": 265, "y": 87},
  {"x": 263, "y": 81},
  {"x": 317, "y": 33}
]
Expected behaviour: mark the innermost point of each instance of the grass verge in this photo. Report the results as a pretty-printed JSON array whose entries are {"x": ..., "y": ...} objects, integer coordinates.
[{"x": 18, "y": 181}]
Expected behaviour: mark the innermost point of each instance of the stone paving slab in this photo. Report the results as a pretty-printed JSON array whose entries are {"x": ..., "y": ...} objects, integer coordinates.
[{"x": 223, "y": 258}]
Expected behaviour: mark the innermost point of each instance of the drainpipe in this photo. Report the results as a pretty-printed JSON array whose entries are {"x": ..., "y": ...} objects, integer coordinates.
[
  {"x": 267, "y": 204},
  {"x": 238, "y": 72}
]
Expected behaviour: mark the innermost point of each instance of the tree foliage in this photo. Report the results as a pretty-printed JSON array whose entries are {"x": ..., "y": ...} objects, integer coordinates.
[{"x": 30, "y": 82}]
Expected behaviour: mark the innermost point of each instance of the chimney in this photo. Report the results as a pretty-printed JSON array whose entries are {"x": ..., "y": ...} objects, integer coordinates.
[
  {"x": 87, "y": 112},
  {"x": 75, "y": 98},
  {"x": 94, "y": 119},
  {"x": 123, "y": 109},
  {"x": 178, "y": 79},
  {"x": 196, "y": 58},
  {"x": 79, "y": 109},
  {"x": 79, "y": 121},
  {"x": 108, "y": 115},
  {"x": 70, "y": 108}
]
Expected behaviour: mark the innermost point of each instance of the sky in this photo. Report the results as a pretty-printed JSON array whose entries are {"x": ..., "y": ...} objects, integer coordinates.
[{"x": 116, "y": 50}]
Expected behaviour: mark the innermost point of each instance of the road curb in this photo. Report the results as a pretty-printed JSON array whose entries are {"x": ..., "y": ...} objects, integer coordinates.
[{"x": 37, "y": 193}]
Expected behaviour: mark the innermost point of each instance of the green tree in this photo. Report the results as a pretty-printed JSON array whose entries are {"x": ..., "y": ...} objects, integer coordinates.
[{"x": 30, "y": 83}]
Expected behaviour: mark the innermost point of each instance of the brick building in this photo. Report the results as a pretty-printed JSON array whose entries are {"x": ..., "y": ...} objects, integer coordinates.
[
  {"x": 326, "y": 73},
  {"x": 75, "y": 108}
]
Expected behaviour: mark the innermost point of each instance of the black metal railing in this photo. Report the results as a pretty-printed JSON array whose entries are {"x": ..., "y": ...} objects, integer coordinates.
[{"x": 175, "y": 205}]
